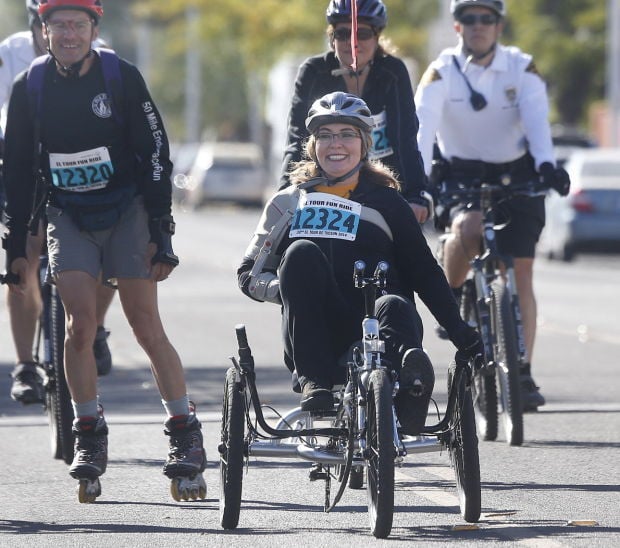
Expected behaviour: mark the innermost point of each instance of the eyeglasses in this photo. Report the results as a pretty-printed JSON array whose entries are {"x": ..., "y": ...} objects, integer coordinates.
[
  {"x": 343, "y": 34},
  {"x": 471, "y": 19},
  {"x": 63, "y": 27},
  {"x": 347, "y": 136}
]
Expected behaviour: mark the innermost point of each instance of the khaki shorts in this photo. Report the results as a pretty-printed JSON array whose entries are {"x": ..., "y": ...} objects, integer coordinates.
[{"x": 118, "y": 252}]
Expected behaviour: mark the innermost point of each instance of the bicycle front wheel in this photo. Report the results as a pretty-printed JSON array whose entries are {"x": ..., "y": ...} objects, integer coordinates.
[
  {"x": 508, "y": 363},
  {"x": 58, "y": 398},
  {"x": 231, "y": 451},
  {"x": 380, "y": 453},
  {"x": 463, "y": 447},
  {"x": 485, "y": 389}
]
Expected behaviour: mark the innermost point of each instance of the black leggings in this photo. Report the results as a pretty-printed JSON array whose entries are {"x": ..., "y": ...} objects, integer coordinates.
[{"x": 319, "y": 324}]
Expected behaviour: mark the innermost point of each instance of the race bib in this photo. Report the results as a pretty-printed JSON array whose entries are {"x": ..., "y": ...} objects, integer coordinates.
[
  {"x": 81, "y": 171},
  {"x": 380, "y": 143},
  {"x": 321, "y": 215}
]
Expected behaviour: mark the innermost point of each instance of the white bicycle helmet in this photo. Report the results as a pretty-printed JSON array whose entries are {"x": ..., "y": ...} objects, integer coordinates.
[
  {"x": 342, "y": 108},
  {"x": 498, "y": 6}
]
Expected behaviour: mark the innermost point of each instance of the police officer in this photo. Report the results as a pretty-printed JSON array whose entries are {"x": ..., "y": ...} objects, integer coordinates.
[
  {"x": 16, "y": 53},
  {"x": 486, "y": 107}
]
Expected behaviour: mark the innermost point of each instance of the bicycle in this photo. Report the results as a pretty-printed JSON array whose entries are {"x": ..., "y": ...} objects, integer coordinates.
[
  {"x": 49, "y": 345},
  {"x": 490, "y": 303},
  {"x": 361, "y": 435}
]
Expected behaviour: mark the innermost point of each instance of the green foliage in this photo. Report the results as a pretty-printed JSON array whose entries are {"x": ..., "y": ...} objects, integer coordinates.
[{"x": 566, "y": 38}]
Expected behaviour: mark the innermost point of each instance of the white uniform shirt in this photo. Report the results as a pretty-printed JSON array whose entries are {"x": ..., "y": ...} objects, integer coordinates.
[
  {"x": 16, "y": 54},
  {"x": 514, "y": 121}
]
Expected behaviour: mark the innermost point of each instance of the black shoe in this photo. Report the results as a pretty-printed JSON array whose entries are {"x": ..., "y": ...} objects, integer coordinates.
[
  {"x": 416, "y": 380},
  {"x": 103, "y": 358},
  {"x": 27, "y": 385},
  {"x": 315, "y": 397},
  {"x": 441, "y": 332},
  {"x": 531, "y": 398}
]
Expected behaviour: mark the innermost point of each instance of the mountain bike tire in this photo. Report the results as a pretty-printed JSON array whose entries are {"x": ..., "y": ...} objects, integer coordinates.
[
  {"x": 485, "y": 388},
  {"x": 508, "y": 364},
  {"x": 58, "y": 398}
]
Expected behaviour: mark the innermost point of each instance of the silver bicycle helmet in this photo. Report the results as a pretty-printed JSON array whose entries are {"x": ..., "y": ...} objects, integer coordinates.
[
  {"x": 371, "y": 11},
  {"x": 342, "y": 108},
  {"x": 32, "y": 7},
  {"x": 498, "y": 6}
]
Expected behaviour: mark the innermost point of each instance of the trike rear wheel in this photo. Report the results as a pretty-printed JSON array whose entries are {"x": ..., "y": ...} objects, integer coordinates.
[{"x": 231, "y": 451}]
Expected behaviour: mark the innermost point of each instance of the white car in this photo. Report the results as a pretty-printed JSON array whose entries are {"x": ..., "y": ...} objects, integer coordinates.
[
  {"x": 588, "y": 219},
  {"x": 226, "y": 172}
]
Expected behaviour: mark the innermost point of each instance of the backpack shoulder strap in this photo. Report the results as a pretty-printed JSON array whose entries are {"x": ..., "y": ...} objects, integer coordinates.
[
  {"x": 34, "y": 84},
  {"x": 111, "y": 67}
]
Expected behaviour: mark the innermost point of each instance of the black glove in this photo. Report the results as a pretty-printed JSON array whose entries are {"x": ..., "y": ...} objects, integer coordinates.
[
  {"x": 162, "y": 229},
  {"x": 14, "y": 247},
  {"x": 555, "y": 177},
  {"x": 470, "y": 347}
]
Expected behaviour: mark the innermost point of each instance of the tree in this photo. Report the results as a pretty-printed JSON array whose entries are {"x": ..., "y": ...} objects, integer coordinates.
[{"x": 241, "y": 37}]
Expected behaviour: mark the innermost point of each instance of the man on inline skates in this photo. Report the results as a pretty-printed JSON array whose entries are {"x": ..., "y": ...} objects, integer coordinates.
[
  {"x": 16, "y": 53},
  {"x": 108, "y": 210}
]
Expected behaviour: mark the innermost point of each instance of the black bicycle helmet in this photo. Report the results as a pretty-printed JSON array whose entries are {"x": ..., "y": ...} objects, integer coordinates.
[
  {"x": 498, "y": 6},
  {"x": 371, "y": 11},
  {"x": 32, "y": 7},
  {"x": 342, "y": 108}
]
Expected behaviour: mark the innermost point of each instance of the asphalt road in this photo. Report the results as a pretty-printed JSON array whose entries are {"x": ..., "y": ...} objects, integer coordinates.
[{"x": 567, "y": 471}]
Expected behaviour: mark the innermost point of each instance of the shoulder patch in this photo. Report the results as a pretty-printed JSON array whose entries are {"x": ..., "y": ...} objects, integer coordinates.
[
  {"x": 431, "y": 75},
  {"x": 532, "y": 68}
]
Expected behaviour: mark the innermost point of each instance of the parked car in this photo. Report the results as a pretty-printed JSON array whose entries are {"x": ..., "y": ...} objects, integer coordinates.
[
  {"x": 588, "y": 219},
  {"x": 569, "y": 140},
  {"x": 183, "y": 156},
  {"x": 227, "y": 171}
]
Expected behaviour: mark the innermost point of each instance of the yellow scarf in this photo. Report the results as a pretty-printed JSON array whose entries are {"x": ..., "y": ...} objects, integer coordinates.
[{"x": 342, "y": 191}]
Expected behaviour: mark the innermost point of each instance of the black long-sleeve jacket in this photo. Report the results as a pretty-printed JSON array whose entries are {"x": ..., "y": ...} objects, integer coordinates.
[
  {"x": 73, "y": 118},
  {"x": 387, "y": 89},
  {"x": 395, "y": 237}
]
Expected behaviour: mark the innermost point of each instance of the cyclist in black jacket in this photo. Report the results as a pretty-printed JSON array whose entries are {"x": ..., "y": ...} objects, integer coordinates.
[
  {"x": 348, "y": 208},
  {"x": 106, "y": 170},
  {"x": 382, "y": 80}
]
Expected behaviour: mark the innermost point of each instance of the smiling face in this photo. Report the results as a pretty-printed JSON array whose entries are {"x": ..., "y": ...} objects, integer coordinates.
[
  {"x": 365, "y": 48},
  {"x": 70, "y": 33},
  {"x": 479, "y": 38},
  {"x": 338, "y": 149}
]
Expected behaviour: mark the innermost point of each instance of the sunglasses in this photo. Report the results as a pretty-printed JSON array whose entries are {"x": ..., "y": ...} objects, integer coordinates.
[
  {"x": 343, "y": 34},
  {"x": 471, "y": 19}
]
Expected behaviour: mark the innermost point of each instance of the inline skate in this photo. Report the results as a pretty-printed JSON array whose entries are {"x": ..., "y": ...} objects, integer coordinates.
[{"x": 186, "y": 458}]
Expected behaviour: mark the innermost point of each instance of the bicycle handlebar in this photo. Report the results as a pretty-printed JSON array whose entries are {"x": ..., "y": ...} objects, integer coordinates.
[{"x": 450, "y": 194}]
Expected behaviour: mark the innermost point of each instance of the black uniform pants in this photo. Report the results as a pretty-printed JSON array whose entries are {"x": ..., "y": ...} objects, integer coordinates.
[{"x": 320, "y": 324}]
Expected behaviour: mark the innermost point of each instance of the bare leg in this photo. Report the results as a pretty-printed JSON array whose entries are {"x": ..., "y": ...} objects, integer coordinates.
[
  {"x": 139, "y": 301},
  {"x": 25, "y": 309},
  {"x": 524, "y": 274},
  {"x": 462, "y": 244},
  {"x": 78, "y": 292}
]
